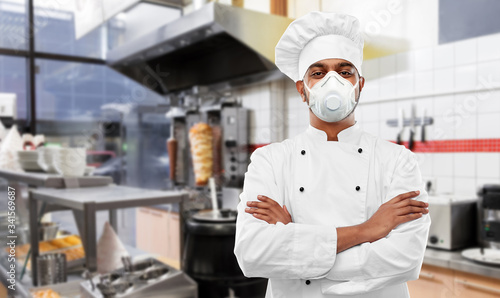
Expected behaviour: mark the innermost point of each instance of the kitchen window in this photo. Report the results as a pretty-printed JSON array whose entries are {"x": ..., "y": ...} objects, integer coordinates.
[{"x": 13, "y": 24}]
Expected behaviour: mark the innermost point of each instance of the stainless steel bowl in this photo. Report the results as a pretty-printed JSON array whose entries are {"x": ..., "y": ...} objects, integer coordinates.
[{"x": 48, "y": 230}]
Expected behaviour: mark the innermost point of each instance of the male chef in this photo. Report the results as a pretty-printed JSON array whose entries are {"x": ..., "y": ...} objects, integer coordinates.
[{"x": 334, "y": 211}]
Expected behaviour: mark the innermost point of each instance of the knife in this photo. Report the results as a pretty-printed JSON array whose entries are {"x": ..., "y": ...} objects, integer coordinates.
[
  {"x": 401, "y": 126},
  {"x": 411, "y": 142}
]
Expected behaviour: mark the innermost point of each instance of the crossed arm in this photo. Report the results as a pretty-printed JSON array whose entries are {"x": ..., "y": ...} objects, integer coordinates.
[
  {"x": 269, "y": 244},
  {"x": 397, "y": 211}
]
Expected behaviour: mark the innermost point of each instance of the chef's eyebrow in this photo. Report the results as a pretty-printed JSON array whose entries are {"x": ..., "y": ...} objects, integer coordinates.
[
  {"x": 322, "y": 65},
  {"x": 317, "y": 64},
  {"x": 343, "y": 64}
]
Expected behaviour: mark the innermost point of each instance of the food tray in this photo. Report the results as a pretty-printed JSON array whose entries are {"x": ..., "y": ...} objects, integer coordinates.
[{"x": 47, "y": 247}]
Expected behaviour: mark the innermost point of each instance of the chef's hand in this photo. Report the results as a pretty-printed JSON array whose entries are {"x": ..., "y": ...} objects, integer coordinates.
[
  {"x": 391, "y": 214},
  {"x": 268, "y": 210}
]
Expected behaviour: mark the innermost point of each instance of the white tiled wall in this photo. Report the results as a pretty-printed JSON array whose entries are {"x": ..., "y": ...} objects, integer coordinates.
[
  {"x": 298, "y": 112},
  {"x": 458, "y": 84},
  {"x": 276, "y": 111},
  {"x": 258, "y": 100},
  {"x": 399, "y": 22}
]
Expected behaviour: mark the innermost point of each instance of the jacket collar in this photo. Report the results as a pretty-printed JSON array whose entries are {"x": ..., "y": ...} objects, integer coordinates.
[{"x": 351, "y": 135}]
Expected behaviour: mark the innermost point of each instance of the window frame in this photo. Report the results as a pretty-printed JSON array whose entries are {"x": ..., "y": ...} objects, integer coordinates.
[{"x": 31, "y": 54}]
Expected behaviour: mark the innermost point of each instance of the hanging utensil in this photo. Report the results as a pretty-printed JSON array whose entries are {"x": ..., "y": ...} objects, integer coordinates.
[
  {"x": 423, "y": 126},
  {"x": 401, "y": 126},
  {"x": 411, "y": 142}
]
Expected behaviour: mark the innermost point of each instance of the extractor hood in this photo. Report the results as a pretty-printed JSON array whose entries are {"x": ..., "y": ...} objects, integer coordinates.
[{"x": 214, "y": 44}]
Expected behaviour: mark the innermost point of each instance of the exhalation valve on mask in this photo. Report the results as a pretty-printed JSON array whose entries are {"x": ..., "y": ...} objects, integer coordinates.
[{"x": 333, "y": 98}]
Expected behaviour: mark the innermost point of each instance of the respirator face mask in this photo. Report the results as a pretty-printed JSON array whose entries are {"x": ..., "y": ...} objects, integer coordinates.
[{"x": 333, "y": 98}]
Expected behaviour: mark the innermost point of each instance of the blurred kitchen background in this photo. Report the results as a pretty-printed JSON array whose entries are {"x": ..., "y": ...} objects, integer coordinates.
[{"x": 127, "y": 80}]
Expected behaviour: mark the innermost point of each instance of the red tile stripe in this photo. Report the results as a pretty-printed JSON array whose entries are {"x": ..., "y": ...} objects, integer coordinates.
[
  {"x": 452, "y": 146},
  {"x": 253, "y": 147},
  {"x": 442, "y": 146}
]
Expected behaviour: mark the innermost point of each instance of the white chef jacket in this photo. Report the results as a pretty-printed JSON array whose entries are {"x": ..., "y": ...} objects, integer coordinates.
[{"x": 325, "y": 185}]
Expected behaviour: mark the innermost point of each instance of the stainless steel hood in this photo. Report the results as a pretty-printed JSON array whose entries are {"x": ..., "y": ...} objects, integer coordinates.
[{"x": 217, "y": 43}]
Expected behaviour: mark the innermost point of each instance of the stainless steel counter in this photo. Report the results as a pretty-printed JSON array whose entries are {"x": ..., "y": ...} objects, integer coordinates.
[
  {"x": 52, "y": 180},
  {"x": 85, "y": 202},
  {"x": 106, "y": 197},
  {"x": 24, "y": 286},
  {"x": 454, "y": 260}
]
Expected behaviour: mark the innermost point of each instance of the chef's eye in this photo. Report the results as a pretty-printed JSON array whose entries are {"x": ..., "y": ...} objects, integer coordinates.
[
  {"x": 345, "y": 73},
  {"x": 316, "y": 73}
]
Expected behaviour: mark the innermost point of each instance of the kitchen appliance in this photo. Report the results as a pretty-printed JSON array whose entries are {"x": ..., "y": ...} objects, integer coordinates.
[
  {"x": 146, "y": 278},
  {"x": 179, "y": 133},
  {"x": 489, "y": 216},
  {"x": 453, "y": 222},
  {"x": 211, "y": 45},
  {"x": 209, "y": 237},
  {"x": 209, "y": 258},
  {"x": 234, "y": 121},
  {"x": 229, "y": 123}
]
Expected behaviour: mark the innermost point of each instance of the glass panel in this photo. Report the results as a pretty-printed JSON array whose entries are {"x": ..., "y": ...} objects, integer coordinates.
[
  {"x": 55, "y": 31},
  {"x": 147, "y": 159},
  {"x": 77, "y": 91},
  {"x": 13, "y": 80},
  {"x": 13, "y": 24},
  {"x": 80, "y": 104}
]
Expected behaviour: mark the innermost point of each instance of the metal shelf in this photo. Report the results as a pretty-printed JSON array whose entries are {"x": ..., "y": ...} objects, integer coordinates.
[
  {"x": 85, "y": 202},
  {"x": 104, "y": 198}
]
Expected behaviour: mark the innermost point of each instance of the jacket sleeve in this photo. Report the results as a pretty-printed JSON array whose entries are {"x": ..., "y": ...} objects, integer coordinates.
[
  {"x": 394, "y": 259},
  {"x": 278, "y": 251}
]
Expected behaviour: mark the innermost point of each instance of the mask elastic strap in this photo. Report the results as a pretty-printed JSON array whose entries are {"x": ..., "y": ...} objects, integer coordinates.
[
  {"x": 354, "y": 89},
  {"x": 308, "y": 89}
]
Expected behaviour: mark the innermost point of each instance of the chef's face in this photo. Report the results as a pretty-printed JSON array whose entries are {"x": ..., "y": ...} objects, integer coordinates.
[{"x": 319, "y": 69}]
